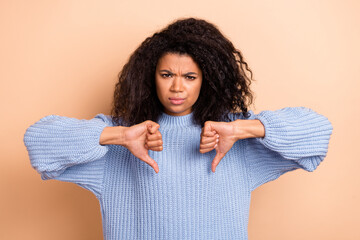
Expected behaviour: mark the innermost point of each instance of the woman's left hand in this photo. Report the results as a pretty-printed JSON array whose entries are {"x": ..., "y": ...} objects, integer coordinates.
[{"x": 221, "y": 136}]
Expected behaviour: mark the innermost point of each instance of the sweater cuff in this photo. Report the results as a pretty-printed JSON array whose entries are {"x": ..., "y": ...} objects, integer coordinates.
[
  {"x": 271, "y": 125},
  {"x": 295, "y": 133}
]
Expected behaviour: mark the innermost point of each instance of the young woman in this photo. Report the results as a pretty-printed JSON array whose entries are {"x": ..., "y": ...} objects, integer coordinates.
[{"x": 180, "y": 113}]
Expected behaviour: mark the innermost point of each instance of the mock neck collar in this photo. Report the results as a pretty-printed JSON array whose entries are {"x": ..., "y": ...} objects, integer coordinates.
[{"x": 169, "y": 120}]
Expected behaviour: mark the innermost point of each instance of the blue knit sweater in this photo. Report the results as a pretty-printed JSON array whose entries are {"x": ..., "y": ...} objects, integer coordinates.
[{"x": 185, "y": 200}]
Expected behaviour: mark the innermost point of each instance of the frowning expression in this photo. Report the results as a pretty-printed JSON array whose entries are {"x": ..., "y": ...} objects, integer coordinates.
[{"x": 178, "y": 82}]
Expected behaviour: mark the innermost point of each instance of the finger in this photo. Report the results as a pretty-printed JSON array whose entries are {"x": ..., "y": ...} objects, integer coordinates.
[
  {"x": 205, "y": 140},
  {"x": 153, "y": 127},
  {"x": 209, "y": 145},
  {"x": 216, "y": 160},
  {"x": 157, "y": 149},
  {"x": 207, "y": 130},
  {"x": 156, "y": 143},
  {"x": 208, "y": 134},
  {"x": 205, "y": 150},
  {"x": 208, "y": 148},
  {"x": 151, "y": 162},
  {"x": 153, "y": 137}
]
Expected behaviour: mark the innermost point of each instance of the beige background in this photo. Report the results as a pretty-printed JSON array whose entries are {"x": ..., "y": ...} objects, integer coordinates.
[{"x": 62, "y": 57}]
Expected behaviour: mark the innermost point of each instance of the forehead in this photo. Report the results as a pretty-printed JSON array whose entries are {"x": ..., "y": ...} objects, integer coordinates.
[{"x": 176, "y": 62}]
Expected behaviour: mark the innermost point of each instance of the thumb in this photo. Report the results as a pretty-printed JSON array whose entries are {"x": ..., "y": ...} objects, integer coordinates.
[
  {"x": 147, "y": 159},
  {"x": 219, "y": 155}
]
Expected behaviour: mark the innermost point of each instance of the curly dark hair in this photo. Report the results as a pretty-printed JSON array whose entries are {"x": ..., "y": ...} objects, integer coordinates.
[{"x": 225, "y": 86}]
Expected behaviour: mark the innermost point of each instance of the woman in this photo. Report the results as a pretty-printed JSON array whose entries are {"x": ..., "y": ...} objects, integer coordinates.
[{"x": 183, "y": 95}]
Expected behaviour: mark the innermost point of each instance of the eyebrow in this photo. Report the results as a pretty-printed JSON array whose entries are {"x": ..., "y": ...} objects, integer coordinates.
[{"x": 188, "y": 73}]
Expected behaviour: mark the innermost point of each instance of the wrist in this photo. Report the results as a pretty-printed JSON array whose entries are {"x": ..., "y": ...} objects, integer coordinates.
[
  {"x": 248, "y": 129},
  {"x": 113, "y": 136}
]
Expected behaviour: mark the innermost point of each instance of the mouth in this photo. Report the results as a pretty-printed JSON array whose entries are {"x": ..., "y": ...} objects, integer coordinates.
[{"x": 177, "y": 101}]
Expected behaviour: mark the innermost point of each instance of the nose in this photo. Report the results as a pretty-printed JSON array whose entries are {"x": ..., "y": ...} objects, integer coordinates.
[{"x": 177, "y": 85}]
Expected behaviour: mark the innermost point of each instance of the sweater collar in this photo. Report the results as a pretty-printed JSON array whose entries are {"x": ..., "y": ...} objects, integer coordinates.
[{"x": 169, "y": 120}]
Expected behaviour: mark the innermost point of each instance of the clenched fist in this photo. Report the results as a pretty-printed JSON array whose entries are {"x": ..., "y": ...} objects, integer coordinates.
[
  {"x": 221, "y": 136},
  {"x": 139, "y": 139}
]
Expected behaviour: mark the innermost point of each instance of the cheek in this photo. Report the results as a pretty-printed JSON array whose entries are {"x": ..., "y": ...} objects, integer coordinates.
[{"x": 196, "y": 89}]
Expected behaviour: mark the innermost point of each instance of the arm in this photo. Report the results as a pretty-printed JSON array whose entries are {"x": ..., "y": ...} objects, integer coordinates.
[
  {"x": 248, "y": 129},
  {"x": 221, "y": 136},
  {"x": 297, "y": 134},
  {"x": 56, "y": 143},
  {"x": 73, "y": 150},
  {"x": 294, "y": 138},
  {"x": 68, "y": 149},
  {"x": 138, "y": 139}
]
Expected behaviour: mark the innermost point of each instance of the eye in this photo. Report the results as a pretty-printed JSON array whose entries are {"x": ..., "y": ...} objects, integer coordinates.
[
  {"x": 190, "y": 77},
  {"x": 166, "y": 75}
]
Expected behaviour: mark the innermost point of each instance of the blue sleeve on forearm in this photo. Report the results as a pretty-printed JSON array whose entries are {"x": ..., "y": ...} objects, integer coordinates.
[
  {"x": 294, "y": 138},
  {"x": 57, "y": 143}
]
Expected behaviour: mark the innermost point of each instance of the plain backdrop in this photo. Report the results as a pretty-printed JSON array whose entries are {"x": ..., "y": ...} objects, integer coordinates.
[{"x": 63, "y": 56}]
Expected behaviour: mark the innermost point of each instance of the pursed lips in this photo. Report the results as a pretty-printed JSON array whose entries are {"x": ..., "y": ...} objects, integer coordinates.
[{"x": 176, "y": 100}]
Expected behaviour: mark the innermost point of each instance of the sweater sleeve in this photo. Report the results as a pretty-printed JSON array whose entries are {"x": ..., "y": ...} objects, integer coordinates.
[
  {"x": 294, "y": 138},
  {"x": 68, "y": 149}
]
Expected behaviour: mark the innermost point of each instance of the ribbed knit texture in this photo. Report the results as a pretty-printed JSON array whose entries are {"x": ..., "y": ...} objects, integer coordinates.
[{"x": 185, "y": 200}]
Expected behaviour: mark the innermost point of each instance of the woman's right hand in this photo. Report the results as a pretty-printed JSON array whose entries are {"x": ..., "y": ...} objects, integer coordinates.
[{"x": 139, "y": 139}]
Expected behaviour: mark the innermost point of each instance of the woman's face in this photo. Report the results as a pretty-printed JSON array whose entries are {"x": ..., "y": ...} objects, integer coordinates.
[{"x": 178, "y": 81}]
